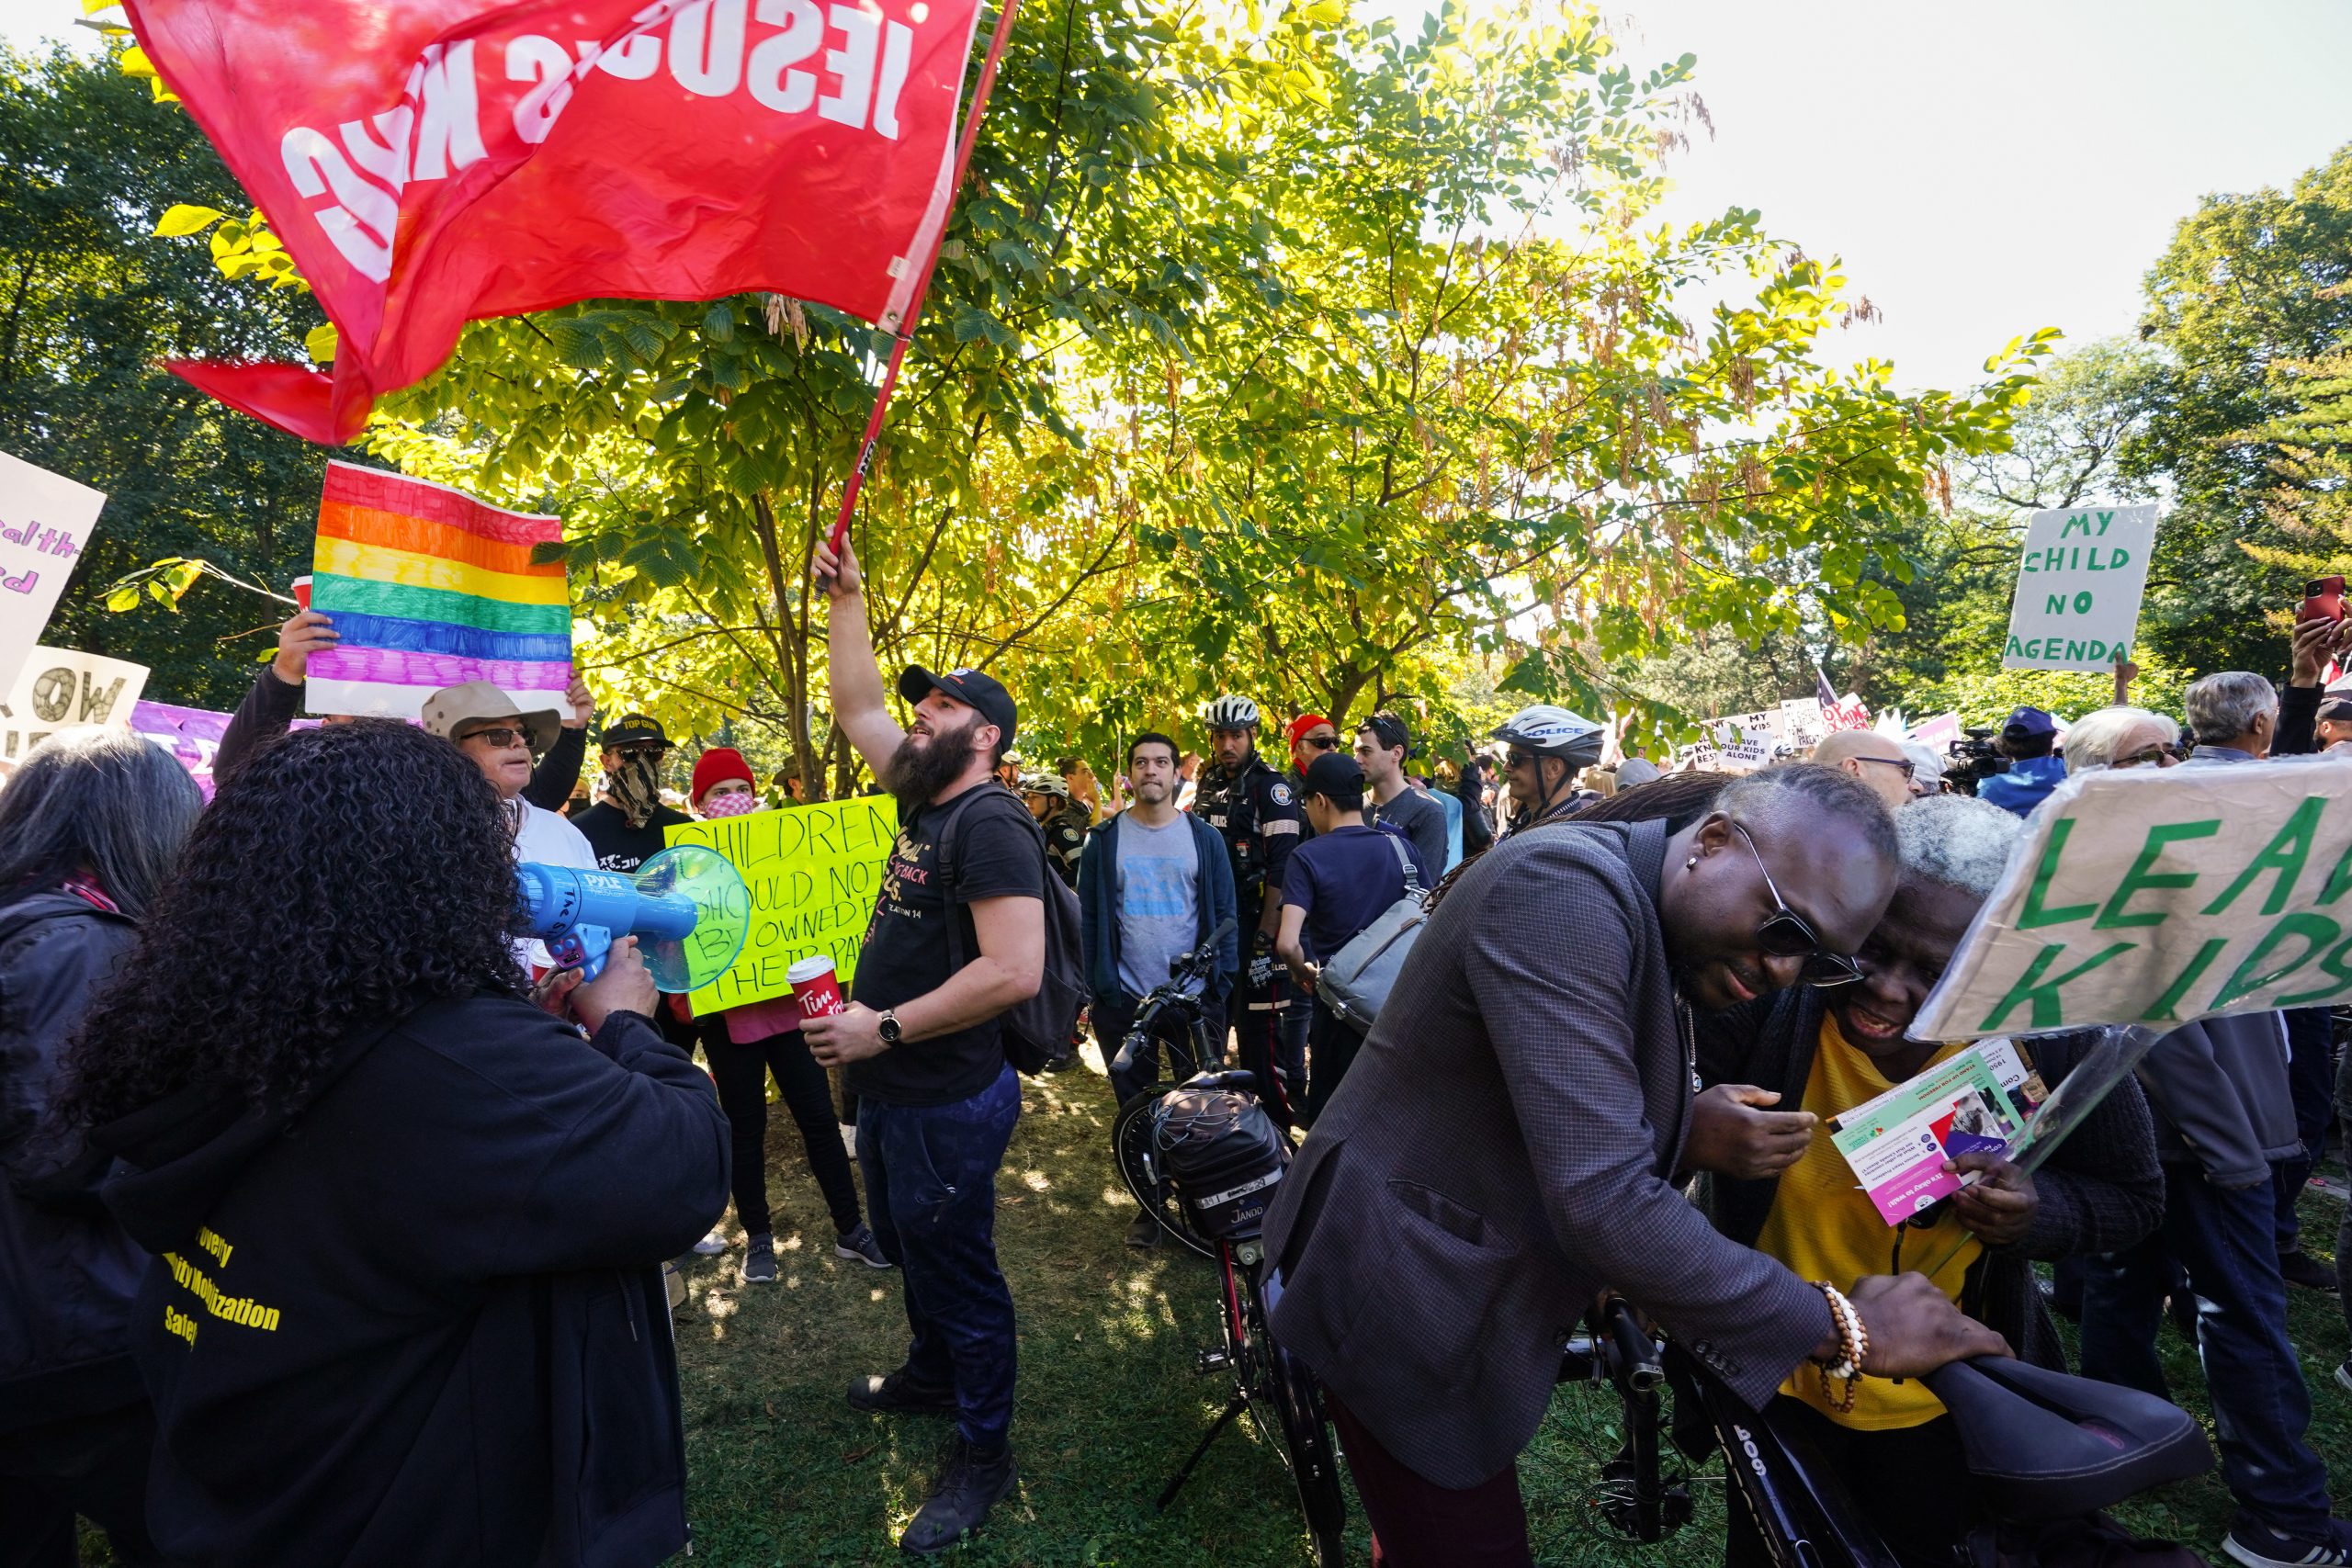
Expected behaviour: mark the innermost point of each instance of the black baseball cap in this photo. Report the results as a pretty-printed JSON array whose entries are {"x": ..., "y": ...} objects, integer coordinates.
[
  {"x": 634, "y": 729},
  {"x": 2337, "y": 708},
  {"x": 1335, "y": 776},
  {"x": 973, "y": 688}
]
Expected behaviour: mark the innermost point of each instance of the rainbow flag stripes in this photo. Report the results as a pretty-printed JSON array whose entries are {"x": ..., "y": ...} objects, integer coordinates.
[{"x": 430, "y": 587}]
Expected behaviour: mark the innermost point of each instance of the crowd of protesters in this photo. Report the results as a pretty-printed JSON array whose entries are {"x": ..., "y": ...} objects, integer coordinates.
[{"x": 338, "y": 1215}]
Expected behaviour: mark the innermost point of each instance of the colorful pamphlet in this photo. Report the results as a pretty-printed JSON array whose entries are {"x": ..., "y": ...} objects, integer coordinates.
[{"x": 1977, "y": 1100}]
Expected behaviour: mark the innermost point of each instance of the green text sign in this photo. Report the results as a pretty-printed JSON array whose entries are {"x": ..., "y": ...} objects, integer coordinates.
[{"x": 2078, "y": 603}]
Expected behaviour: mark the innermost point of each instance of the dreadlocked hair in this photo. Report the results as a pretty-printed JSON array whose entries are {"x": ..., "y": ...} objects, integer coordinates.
[
  {"x": 1675, "y": 799},
  {"x": 346, "y": 874}
]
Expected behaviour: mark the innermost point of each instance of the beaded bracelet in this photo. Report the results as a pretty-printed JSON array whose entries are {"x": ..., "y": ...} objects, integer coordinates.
[{"x": 1853, "y": 1348}]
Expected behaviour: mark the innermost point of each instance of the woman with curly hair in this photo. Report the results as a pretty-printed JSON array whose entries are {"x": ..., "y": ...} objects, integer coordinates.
[
  {"x": 89, "y": 828},
  {"x": 406, "y": 1305}
]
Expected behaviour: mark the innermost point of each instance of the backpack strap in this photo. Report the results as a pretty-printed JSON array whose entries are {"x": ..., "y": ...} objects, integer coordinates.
[
  {"x": 949, "y": 873},
  {"x": 1404, "y": 859}
]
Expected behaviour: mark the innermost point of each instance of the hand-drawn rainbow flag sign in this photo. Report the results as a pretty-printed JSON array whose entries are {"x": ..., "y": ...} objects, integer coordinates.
[{"x": 431, "y": 588}]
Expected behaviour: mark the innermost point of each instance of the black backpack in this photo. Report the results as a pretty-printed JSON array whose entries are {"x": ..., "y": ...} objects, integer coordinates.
[{"x": 1038, "y": 1030}]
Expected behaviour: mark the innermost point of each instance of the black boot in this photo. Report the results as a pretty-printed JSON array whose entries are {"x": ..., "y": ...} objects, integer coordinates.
[
  {"x": 968, "y": 1486},
  {"x": 899, "y": 1395}
]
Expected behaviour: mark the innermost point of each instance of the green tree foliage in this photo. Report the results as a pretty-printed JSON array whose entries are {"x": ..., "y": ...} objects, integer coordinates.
[
  {"x": 2248, "y": 296},
  {"x": 90, "y": 302}
]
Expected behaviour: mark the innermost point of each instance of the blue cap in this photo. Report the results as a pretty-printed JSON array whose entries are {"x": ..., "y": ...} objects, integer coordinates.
[{"x": 2030, "y": 721}]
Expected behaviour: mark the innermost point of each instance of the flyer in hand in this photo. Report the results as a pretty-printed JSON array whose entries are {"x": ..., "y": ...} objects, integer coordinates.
[{"x": 1977, "y": 1100}]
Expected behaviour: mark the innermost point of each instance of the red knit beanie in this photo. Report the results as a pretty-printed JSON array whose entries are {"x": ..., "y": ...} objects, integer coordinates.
[
  {"x": 719, "y": 763},
  {"x": 1301, "y": 725}
]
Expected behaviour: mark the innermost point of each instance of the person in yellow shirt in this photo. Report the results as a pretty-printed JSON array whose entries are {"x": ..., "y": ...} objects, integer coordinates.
[{"x": 1782, "y": 1069}]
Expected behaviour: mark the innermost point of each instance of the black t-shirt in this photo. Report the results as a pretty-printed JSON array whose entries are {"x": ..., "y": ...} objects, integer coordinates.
[
  {"x": 906, "y": 955},
  {"x": 618, "y": 846}
]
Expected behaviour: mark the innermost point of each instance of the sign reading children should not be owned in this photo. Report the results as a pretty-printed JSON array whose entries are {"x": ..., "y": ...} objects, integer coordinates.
[
  {"x": 812, "y": 873},
  {"x": 2157, "y": 897},
  {"x": 2079, "y": 580}
]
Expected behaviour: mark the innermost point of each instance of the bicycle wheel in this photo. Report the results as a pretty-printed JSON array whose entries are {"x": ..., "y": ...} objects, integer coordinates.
[
  {"x": 1286, "y": 1407},
  {"x": 1139, "y": 1164}
]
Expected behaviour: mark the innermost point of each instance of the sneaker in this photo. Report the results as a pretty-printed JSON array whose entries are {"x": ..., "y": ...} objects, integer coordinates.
[
  {"x": 2343, "y": 1375},
  {"x": 859, "y": 1246},
  {"x": 712, "y": 1244},
  {"x": 2259, "y": 1546},
  {"x": 968, "y": 1486},
  {"x": 1143, "y": 1232},
  {"x": 759, "y": 1260},
  {"x": 2300, "y": 1268},
  {"x": 898, "y": 1394}
]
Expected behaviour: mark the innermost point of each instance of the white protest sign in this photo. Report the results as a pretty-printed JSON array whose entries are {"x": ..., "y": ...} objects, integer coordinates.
[
  {"x": 61, "y": 687},
  {"x": 1802, "y": 724},
  {"x": 2159, "y": 896},
  {"x": 1939, "y": 732},
  {"x": 1745, "y": 740},
  {"x": 45, "y": 520},
  {"x": 2077, "y": 602}
]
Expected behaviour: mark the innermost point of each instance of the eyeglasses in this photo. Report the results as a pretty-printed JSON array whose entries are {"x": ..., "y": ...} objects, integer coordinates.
[
  {"x": 1784, "y": 934},
  {"x": 1321, "y": 742},
  {"x": 2151, "y": 756},
  {"x": 500, "y": 736},
  {"x": 1910, "y": 769}
]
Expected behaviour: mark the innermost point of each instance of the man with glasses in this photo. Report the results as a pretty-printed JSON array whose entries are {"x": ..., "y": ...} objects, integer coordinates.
[
  {"x": 1310, "y": 735},
  {"x": 1876, "y": 760},
  {"x": 1548, "y": 747},
  {"x": 1506, "y": 1144},
  {"x": 1256, "y": 812}
]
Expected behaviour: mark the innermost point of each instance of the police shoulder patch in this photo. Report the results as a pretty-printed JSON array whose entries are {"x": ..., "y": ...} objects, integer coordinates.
[{"x": 1280, "y": 794}]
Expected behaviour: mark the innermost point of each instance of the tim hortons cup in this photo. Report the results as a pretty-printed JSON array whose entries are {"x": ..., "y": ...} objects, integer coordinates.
[{"x": 813, "y": 985}]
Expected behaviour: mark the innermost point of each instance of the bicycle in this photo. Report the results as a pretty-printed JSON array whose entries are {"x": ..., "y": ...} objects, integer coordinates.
[
  {"x": 2041, "y": 1446},
  {"x": 1175, "y": 1013},
  {"x": 1206, "y": 1150}
]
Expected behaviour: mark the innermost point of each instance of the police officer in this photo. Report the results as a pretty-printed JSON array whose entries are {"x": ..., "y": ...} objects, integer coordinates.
[
  {"x": 1257, "y": 814},
  {"x": 1066, "y": 821}
]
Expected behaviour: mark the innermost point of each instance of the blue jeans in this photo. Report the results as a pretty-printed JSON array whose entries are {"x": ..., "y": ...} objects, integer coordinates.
[
  {"x": 930, "y": 1196},
  {"x": 2223, "y": 1239}
]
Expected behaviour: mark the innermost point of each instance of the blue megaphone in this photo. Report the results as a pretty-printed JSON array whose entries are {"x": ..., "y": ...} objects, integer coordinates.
[{"x": 687, "y": 907}]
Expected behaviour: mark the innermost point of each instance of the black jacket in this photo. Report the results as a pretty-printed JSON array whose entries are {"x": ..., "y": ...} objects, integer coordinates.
[
  {"x": 67, "y": 1270},
  {"x": 418, "y": 1317},
  {"x": 2100, "y": 1191}
]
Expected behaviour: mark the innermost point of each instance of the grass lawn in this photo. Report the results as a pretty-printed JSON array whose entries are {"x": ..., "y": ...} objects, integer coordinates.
[{"x": 784, "y": 1472}]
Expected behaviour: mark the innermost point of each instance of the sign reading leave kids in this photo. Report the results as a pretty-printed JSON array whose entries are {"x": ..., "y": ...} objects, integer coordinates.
[
  {"x": 812, "y": 872},
  {"x": 2156, "y": 897},
  {"x": 2078, "y": 603},
  {"x": 45, "y": 521}
]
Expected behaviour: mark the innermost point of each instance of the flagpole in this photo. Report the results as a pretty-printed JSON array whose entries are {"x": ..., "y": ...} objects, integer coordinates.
[{"x": 922, "y": 284}]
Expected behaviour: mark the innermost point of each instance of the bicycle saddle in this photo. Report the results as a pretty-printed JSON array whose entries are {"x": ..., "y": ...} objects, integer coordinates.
[{"x": 2042, "y": 1445}]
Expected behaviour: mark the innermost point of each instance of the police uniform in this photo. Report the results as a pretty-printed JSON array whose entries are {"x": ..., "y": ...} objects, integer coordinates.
[
  {"x": 1066, "y": 832},
  {"x": 1257, "y": 814}
]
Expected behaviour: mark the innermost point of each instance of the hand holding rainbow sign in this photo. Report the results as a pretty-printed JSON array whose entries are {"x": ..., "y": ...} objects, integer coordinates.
[{"x": 431, "y": 588}]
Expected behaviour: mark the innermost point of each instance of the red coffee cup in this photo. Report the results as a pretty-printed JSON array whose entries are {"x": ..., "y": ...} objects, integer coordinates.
[
  {"x": 814, "y": 987},
  {"x": 302, "y": 591}
]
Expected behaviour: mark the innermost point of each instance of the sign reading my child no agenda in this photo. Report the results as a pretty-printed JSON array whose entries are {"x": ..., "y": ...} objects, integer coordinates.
[
  {"x": 2077, "y": 603},
  {"x": 2161, "y": 895},
  {"x": 812, "y": 873}
]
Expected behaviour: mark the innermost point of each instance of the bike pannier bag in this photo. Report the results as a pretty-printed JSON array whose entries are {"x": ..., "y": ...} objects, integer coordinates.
[{"x": 1224, "y": 1157}]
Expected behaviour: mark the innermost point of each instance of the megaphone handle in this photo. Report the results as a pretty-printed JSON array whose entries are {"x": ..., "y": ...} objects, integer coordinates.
[{"x": 573, "y": 951}]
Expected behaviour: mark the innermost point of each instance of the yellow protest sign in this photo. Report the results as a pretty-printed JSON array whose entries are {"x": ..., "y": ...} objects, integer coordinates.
[{"x": 812, "y": 872}]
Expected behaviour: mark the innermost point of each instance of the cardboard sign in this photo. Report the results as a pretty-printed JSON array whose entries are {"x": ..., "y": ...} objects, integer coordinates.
[
  {"x": 2160, "y": 896},
  {"x": 45, "y": 521},
  {"x": 60, "y": 688},
  {"x": 813, "y": 873},
  {"x": 1851, "y": 714},
  {"x": 2077, "y": 602},
  {"x": 1802, "y": 724}
]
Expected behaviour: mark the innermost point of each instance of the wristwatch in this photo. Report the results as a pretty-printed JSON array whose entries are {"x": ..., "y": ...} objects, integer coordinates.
[{"x": 888, "y": 1028}]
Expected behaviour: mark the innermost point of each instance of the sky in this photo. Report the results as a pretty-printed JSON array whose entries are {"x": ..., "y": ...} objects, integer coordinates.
[{"x": 1983, "y": 170}]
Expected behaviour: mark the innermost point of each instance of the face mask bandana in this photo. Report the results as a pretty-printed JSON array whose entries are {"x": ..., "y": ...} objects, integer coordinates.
[
  {"x": 635, "y": 787},
  {"x": 733, "y": 804}
]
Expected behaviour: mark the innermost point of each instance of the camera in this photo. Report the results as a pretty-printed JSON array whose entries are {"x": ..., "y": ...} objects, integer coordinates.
[{"x": 1974, "y": 759}]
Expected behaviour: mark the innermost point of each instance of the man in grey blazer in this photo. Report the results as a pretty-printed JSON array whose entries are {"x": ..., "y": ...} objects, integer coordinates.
[{"x": 1505, "y": 1145}]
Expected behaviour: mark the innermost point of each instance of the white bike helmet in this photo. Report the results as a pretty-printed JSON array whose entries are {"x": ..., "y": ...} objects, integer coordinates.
[
  {"x": 1232, "y": 713},
  {"x": 1550, "y": 731}
]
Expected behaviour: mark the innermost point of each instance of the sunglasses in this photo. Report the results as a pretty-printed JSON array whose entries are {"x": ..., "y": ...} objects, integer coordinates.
[
  {"x": 1784, "y": 934},
  {"x": 500, "y": 736},
  {"x": 1518, "y": 760},
  {"x": 1910, "y": 769},
  {"x": 1321, "y": 742}
]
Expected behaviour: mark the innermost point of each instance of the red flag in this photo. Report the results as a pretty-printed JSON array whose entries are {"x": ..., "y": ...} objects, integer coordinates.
[{"x": 428, "y": 162}]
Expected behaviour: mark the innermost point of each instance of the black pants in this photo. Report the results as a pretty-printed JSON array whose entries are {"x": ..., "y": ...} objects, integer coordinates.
[
  {"x": 91, "y": 1465},
  {"x": 1332, "y": 1044},
  {"x": 741, "y": 1073},
  {"x": 1910, "y": 1485}
]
